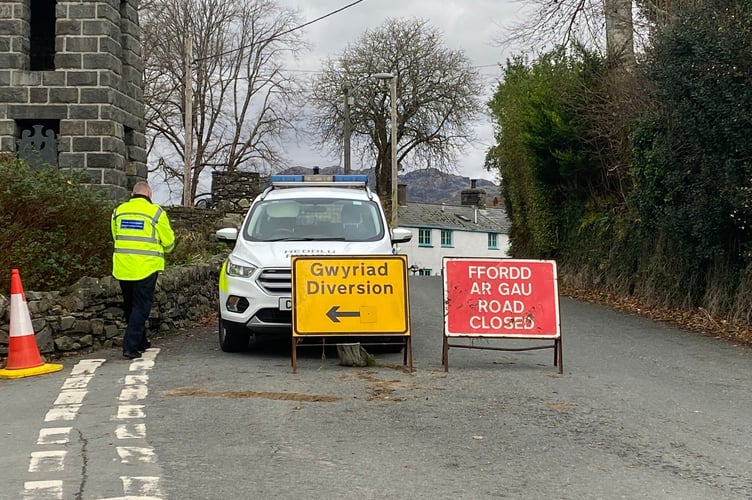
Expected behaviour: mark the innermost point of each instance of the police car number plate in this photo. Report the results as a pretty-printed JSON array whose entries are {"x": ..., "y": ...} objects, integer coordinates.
[{"x": 285, "y": 304}]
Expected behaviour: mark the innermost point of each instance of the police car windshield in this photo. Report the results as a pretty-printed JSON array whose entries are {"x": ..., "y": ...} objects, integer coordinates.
[{"x": 314, "y": 219}]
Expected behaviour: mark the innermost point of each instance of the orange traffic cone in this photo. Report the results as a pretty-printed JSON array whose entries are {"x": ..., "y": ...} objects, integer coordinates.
[{"x": 23, "y": 354}]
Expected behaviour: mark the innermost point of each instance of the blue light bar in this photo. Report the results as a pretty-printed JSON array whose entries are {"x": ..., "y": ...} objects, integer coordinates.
[
  {"x": 351, "y": 178},
  {"x": 286, "y": 178},
  {"x": 319, "y": 180}
]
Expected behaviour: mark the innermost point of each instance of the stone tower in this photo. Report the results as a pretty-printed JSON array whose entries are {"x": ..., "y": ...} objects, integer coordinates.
[{"x": 71, "y": 88}]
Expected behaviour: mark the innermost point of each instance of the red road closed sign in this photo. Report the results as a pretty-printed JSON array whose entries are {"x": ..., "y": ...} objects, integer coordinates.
[{"x": 501, "y": 298}]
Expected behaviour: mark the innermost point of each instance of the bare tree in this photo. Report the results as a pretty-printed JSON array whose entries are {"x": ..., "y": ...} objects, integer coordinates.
[
  {"x": 437, "y": 99},
  {"x": 608, "y": 25},
  {"x": 589, "y": 22},
  {"x": 556, "y": 22},
  {"x": 242, "y": 98}
]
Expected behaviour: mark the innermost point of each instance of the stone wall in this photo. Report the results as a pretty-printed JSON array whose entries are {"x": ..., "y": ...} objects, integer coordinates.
[
  {"x": 233, "y": 192},
  {"x": 88, "y": 315}
]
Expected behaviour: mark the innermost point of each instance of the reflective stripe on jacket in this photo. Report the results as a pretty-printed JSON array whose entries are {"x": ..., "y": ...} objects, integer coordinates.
[{"x": 142, "y": 235}]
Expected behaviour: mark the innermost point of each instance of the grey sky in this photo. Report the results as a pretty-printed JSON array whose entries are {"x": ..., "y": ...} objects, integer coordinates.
[{"x": 469, "y": 25}]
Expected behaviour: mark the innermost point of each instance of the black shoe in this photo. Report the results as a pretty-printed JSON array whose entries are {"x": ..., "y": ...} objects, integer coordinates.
[
  {"x": 131, "y": 355},
  {"x": 144, "y": 346}
]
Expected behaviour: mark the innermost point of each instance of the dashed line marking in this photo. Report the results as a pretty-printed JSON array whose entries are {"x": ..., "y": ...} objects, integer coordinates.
[
  {"x": 135, "y": 388},
  {"x": 66, "y": 408}
]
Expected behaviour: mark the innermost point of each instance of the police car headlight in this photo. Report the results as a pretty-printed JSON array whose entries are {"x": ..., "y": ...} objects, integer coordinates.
[{"x": 240, "y": 271}]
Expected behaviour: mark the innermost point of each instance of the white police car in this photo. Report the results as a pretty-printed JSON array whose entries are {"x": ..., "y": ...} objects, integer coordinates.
[{"x": 295, "y": 215}]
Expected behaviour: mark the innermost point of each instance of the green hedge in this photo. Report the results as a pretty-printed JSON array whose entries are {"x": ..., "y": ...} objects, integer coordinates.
[{"x": 52, "y": 229}]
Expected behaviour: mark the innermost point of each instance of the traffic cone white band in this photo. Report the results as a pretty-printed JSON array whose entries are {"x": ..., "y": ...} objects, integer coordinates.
[{"x": 20, "y": 319}]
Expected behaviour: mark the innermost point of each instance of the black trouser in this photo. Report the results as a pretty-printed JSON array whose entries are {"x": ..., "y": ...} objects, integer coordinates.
[{"x": 137, "y": 300}]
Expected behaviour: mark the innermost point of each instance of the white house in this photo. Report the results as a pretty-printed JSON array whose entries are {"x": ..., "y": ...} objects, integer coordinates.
[{"x": 441, "y": 230}]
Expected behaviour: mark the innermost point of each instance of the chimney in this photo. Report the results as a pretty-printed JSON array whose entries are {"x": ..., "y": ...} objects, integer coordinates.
[
  {"x": 401, "y": 195},
  {"x": 316, "y": 170},
  {"x": 473, "y": 196}
]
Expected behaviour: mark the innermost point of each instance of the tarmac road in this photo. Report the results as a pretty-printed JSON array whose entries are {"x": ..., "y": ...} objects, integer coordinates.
[{"x": 642, "y": 410}]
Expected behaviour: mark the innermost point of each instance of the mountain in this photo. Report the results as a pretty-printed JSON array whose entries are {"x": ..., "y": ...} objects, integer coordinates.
[{"x": 428, "y": 185}]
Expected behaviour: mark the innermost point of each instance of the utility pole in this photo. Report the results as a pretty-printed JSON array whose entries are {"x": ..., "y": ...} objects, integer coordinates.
[
  {"x": 347, "y": 129},
  {"x": 392, "y": 77},
  {"x": 393, "y": 114},
  {"x": 188, "y": 122}
]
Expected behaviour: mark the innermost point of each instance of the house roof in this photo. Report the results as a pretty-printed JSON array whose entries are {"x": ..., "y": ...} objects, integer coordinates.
[{"x": 454, "y": 217}]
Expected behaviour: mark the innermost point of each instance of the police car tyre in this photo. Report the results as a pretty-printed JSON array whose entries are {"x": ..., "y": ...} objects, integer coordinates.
[{"x": 232, "y": 339}]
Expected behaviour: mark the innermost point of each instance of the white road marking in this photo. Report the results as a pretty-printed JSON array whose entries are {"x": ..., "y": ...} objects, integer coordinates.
[
  {"x": 68, "y": 412},
  {"x": 142, "y": 364},
  {"x": 47, "y": 461},
  {"x": 136, "y": 379},
  {"x": 130, "y": 431},
  {"x": 133, "y": 393},
  {"x": 77, "y": 382},
  {"x": 43, "y": 489},
  {"x": 141, "y": 485},
  {"x": 87, "y": 366},
  {"x": 136, "y": 454},
  {"x": 70, "y": 397},
  {"x": 54, "y": 435},
  {"x": 130, "y": 411}
]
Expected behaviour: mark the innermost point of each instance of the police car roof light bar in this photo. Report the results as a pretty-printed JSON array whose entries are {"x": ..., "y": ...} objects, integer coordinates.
[{"x": 360, "y": 181}]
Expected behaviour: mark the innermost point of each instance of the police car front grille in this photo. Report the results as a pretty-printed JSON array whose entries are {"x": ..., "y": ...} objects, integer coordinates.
[{"x": 275, "y": 281}]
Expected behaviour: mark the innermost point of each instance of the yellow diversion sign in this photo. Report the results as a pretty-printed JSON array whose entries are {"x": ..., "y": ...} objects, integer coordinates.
[{"x": 353, "y": 295}]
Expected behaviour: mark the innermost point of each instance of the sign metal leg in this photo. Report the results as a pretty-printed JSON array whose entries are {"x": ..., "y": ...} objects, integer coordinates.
[{"x": 294, "y": 356}]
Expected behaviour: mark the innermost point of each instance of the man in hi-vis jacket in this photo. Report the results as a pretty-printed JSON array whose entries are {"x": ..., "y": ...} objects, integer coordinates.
[{"x": 142, "y": 235}]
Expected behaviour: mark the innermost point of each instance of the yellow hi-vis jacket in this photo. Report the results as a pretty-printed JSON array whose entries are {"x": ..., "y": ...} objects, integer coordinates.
[{"x": 142, "y": 235}]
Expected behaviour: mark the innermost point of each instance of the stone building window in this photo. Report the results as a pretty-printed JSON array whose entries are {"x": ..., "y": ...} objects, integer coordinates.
[
  {"x": 42, "y": 35},
  {"x": 37, "y": 141}
]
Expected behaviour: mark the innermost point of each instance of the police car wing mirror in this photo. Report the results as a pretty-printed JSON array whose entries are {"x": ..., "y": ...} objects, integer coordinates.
[
  {"x": 401, "y": 235},
  {"x": 227, "y": 234}
]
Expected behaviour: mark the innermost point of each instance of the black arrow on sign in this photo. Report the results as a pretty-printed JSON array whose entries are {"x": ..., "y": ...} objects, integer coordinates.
[{"x": 334, "y": 314}]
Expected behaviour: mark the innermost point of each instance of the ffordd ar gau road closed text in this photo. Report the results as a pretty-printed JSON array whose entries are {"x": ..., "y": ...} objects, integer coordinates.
[{"x": 501, "y": 297}]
